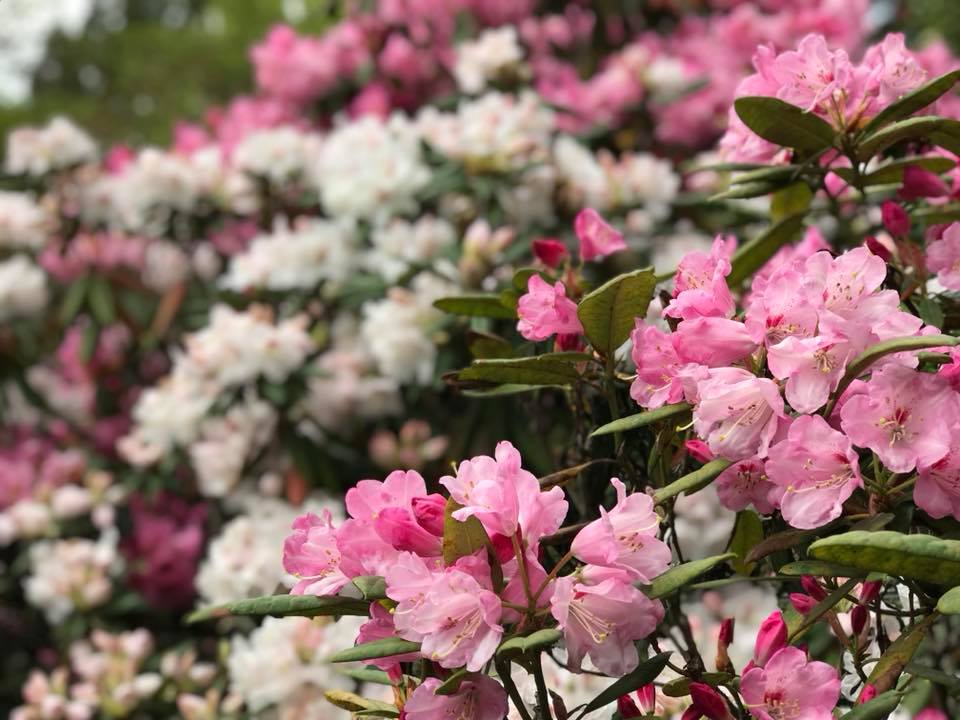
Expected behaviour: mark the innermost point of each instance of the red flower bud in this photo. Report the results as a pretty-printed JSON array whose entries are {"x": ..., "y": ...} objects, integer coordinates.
[
  {"x": 895, "y": 218},
  {"x": 802, "y": 603},
  {"x": 429, "y": 513},
  {"x": 813, "y": 588},
  {"x": 858, "y": 619},
  {"x": 771, "y": 637},
  {"x": 726, "y": 632},
  {"x": 878, "y": 248},
  {"x": 868, "y": 693},
  {"x": 699, "y": 450},
  {"x": 627, "y": 708},
  {"x": 919, "y": 183},
  {"x": 647, "y": 695},
  {"x": 869, "y": 591},
  {"x": 708, "y": 701},
  {"x": 550, "y": 251}
]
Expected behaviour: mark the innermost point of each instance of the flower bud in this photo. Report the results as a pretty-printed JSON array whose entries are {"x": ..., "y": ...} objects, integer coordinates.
[
  {"x": 869, "y": 591},
  {"x": 708, "y": 701},
  {"x": 627, "y": 708},
  {"x": 647, "y": 695},
  {"x": 868, "y": 693},
  {"x": 699, "y": 450},
  {"x": 878, "y": 248},
  {"x": 895, "y": 218},
  {"x": 724, "y": 638},
  {"x": 921, "y": 183},
  {"x": 429, "y": 513},
  {"x": 858, "y": 619},
  {"x": 550, "y": 251},
  {"x": 802, "y": 603},
  {"x": 771, "y": 637},
  {"x": 813, "y": 588}
]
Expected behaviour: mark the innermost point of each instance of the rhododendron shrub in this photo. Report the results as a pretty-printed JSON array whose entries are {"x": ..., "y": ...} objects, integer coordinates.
[{"x": 520, "y": 360}]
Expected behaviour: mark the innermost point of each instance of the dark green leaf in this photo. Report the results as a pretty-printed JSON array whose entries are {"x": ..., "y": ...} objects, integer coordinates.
[
  {"x": 461, "y": 538},
  {"x": 676, "y": 577},
  {"x": 784, "y": 124},
  {"x": 893, "y": 172},
  {"x": 819, "y": 568},
  {"x": 549, "y": 369},
  {"x": 794, "y": 199},
  {"x": 528, "y": 643},
  {"x": 506, "y": 390},
  {"x": 100, "y": 297},
  {"x": 747, "y": 533},
  {"x": 780, "y": 541},
  {"x": 645, "y": 673},
  {"x": 476, "y": 306},
  {"x": 877, "y": 709},
  {"x": 355, "y": 704},
  {"x": 632, "y": 422},
  {"x": 283, "y": 606},
  {"x": 73, "y": 299},
  {"x": 373, "y": 587},
  {"x": 751, "y": 256},
  {"x": 608, "y": 313},
  {"x": 385, "y": 647},
  {"x": 913, "y": 129},
  {"x": 888, "y": 668},
  {"x": 923, "y": 557},
  {"x": 487, "y": 346},
  {"x": 913, "y": 102},
  {"x": 692, "y": 482},
  {"x": 746, "y": 190},
  {"x": 680, "y": 687}
]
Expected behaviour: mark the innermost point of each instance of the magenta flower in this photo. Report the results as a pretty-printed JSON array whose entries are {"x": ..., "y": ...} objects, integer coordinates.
[
  {"x": 943, "y": 257},
  {"x": 789, "y": 686},
  {"x": 895, "y": 218},
  {"x": 771, "y": 638},
  {"x": 746, "y": 483},
  {"x": 625, "y": 538},
  {"x": 709, "y": 299},
  {"x": 479, "y": 697},
  {"x": 904, "y": 416},
  {"x": 816, "y": 469},
  {"x": 937, "y": 491},
  {"x": 601, "y": 615},
  {"x": 658, "y": 367},
  {"x": 311, "y": 554},
  {"x": 389, "y": 506},
  {"x": 505, "y": 497},
  {"x": 546, "y": 311},
  {"x": 597, "y": 238},
  {"x": 738, "y": 413}
]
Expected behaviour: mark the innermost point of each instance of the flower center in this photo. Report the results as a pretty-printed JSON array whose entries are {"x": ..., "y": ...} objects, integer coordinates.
[{"x": 597, "y": 628}]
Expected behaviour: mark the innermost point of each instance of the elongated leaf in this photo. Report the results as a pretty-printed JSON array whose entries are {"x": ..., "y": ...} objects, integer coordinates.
[
  {"x": 913, "y": 102},
  {"x": 461, "y": 538},
  {"x": 283, "y": 606},
  {"x": 367, "y": 674},
  {"x": 746, "y": 190},
  {"x": 476, "y": 306},
  {"x": 913, "y": 129},
  {"x": 452, "y": 683},
  {"x": 893, "y": 172},
  {"x": 385, "y": 647},
  {"x": 356, "y": 704},
  {"x": 692, "y": 482},
  {"x": 562, "y": 476},
  {"x": 949, "y": 602},
  {"x": 780, "y": 541},
  {"x": 784, "y": 124},
  {"x": 485, "y": 346},
  {"x": 819, "y": 568},
  {"x": 747, "y": 532},
  {"x": 888, "y": 668},
  {"x": 751, "y": 256},
  {"x": 506, "y": 390},
  {"x": 549, "y": 369},
  {"x": 529, "y": 643},
  {"x": 645, "y": 673},
  {"x": 632, "y": 422},
  {"x": 100, "y": 298},
  {"x": 608, "y": 313},
  {"x": 820, "y": 609},
  {"x": 676, "y": 577},
  {"x": 877, "y": 709},
  {"x": 934, "y": 675},
  {"x": 73, "y": 299},
  {"x": 923, "y": 557},
  {"x": 768, "y": 173},
  {"x": 859, "y": 365},
  {"x": 373, "y": 587},
  {"x": 680, "y": 687},
  {"x": 791, "y": 200}
]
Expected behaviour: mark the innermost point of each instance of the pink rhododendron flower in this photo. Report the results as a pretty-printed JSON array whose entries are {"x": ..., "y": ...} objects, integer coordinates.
[
  {"x": 479, "y": 697},
  {"x": 919, "y": 182},
  {"x": 546, "y": 311},
  {"x": 816, "y": 469},
  {"x": 658, "y": 366},
  {"x": 713, "y": 341},
  {"x": 737, "y": 413},
  {"x": 505, "y": 497},
  {"x": 311, "y": 554},
  {"x": 771, "y": 637},
  {"x": 904, "y": 416},
  {"x": 846, "y": 280},
  {"x": 943, "y": 257},
  {"x": 602, "y": 617},
  {"x": 811, "y": 366},
  {"x": 783, "y": 306},
  {"x": 696, "y": 269},
  {"x": 380, "y": 626},
  {"x": 812, "y": 75},
  {"x": 900, "y": 74},
  {"x": 625, "y": 537},
  {"x": 895, "y": 218},
  {"x": 746, "y": 483},
  {"x": 789, "y": 686},
  {"x": 388, "y": 505},
  {"x": 937, "y": 491},
  {"x": 712, "y": 298},
  {"x": 597, "y": 238}
]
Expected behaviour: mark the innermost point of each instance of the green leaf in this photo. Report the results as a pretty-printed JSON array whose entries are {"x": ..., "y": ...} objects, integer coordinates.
[
  {"x": 744, "y": 191},
  {"x": 452, "y": 683},
  {"x": 934, "y": 675},
  {"x": 819, "y": 568},
  {"x": 608, "y": 313},
  {"x": 913, "y": 102},
  {"x": 949, "y": 602},
  {"x": 506, "y": 390},
  {"x": 751, "y": 256},
  {"x": 645, "y": 673},
  {"x": 367, "y": 674},
  {"x": 747, "y": 533},
  {"x": 476, "y": 306},
  {"x": 893, "y": 172},
  {"x": 923, "y": 557},
  {"x": 680, "y": 687},
  {"x": 888, "y": 668},
  {"x": 676, "y": 577},
  {"x": 548, "y": 369},
  {"x": 528, "y": 643},
  {"x": 522, "y": 277},
  {"x": 779, "y": 541},
  {"x": 768, "y": 173},
  {"x": 385, "y": 647},
  {"x": 486, "y": 346},
  {"x": 794, "y": 199},
  {"x": 784, "y": 124},
  {"x": 912, "y": 129},
  {"x": 100, "y": 297},
  {"x": 632, "y": 422},
  {"x": 73, "y": 299},
  {"x": 858, "y": 366},
  {"x": 692, "y": 482},
  {"x": 355, "y": 704},
  {"x": 877, "y": 709},
  {"x": 283, "y": 606},
  {"x": 88, "y": 341},
  {"x": 373, "y": 587},
  {"x": 461, "y": 538}
]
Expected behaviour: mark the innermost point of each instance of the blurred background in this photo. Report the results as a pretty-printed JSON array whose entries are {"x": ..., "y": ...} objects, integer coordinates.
[{"x": 128, "y": 69}]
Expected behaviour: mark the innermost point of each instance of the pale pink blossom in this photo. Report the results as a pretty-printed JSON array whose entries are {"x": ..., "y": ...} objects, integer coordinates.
[
  {"x": 479, "y": 697},
  {"x": 817, "y": 469},
  {"x": 546, "y": 311},
  {"x": 746, "y": 483},
  {"x": 601, "y": 615},
  {"x": 625, "y": 537},
  {"x": 388, "y": 505},
  {"x": 658, "y": 366},
  {"x": 790, "y": 686},
  {"x": 943, "y": 257},
  {"x": 937, "y": 491},
  {"x": 812, "y": 75},
  {"x": 713, "y": 341},
  {"x": 812, "y": 367},
  {"x": 737, "y": 413},
  {"x": 597, "y": 238},
  {"x": 311, "y": 555}
]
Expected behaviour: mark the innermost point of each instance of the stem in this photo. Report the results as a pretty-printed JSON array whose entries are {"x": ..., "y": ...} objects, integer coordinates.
[
  {"x": 522, "y": 567},
  {"x": 610, "y": 391},
  {"x": 553, "y": 573},
  {"x": 503, "y": 670},
  {"x": 543, "y": 697},
  {"x": 905, "y": 485}
]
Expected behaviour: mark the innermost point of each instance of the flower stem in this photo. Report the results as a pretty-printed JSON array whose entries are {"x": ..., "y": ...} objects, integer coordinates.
[
  {"x": 543, "y": 697},
  {"x": 522, "y": 567}
]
